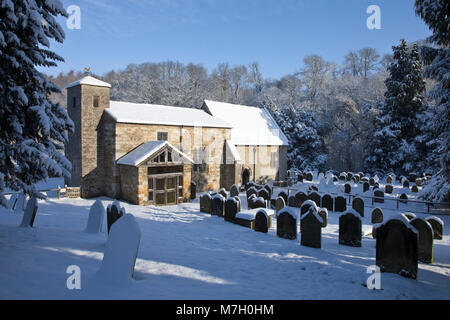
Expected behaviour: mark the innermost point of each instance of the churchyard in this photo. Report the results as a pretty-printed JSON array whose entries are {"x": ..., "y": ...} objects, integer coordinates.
[{"x": 321, "y": 237}]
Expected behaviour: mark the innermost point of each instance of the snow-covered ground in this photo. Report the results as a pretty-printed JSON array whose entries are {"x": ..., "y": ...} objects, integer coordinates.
[{"x": 185, "y": 254}]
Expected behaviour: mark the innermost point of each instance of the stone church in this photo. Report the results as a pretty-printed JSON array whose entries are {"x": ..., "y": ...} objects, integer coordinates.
[{"x": 150, "y": 154}]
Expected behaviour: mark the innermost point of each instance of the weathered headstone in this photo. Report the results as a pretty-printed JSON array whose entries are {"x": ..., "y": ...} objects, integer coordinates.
[
  {"x": 218, "y": 205},
  {"x": 279, "y": 204},
  {"x": 262, "y": 221},
  {"x": 311, "y": 229},
  {"x": 358, "y": 206},
  {"x": 323, "y": 213},
  {"x": 205, "y": 203},
  {"x": 193, "y": 190},
  {"x": 378, "y": 196},
  {"x": 377, "y": 216},
  {"x": 30, "y": 213},
  {"x": 234, "y": 190},
  {"x": 340, "y": 204},
  {"x": 350, "y": 229},
  {"x": 327, "y": 202},
  {"x": 121, "y": 251},
  {"x": 437, "y": 225},
  {"x": 287, "y": 223},
  {"x": 425, "y": 239},
  {"x": 397, "y": 248},
  {"x": 231, "y": 208},
  {"x": 96, "y": 215}
]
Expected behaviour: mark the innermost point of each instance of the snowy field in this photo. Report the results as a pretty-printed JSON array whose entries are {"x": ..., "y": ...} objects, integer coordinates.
[{"x": 185, "y": 254}]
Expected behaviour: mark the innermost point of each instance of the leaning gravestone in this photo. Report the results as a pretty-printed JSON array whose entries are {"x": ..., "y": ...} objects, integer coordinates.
[
  {"x": 205, "y": 203},
  {"x": 314, "y": 196},
  {"x": 262, "y": 221},
  {"x": 327, "y": 202},
  {"x": 20, "y": 203},
  {"x": 300, "y": 197},
  {"x": 437, "y": 225},
  {"x": 323, "y": 213},
  {"x": 350, "y": 229},
  {"x": 287, "y": 223},
  {"x": 279, "y": 204},
  {"x": 121, "y": 251},
  {"x": 234, "y": 190},
  {"x": 378, "y": 196},
  {"x": 340, "y": 204},
  {"x": 425, "y": 239},
  {"x": 377, "y": 216},
  {"x": 358, "y": 206},
  {"x": 95, "y": 219},
  {"x": 311, "y": 229},
  {"x": 30, "y": 213},
  {"x": 193, "y": 190},
  {"x": 397, "y": 248},
  {"x": 231, "y": 208},
  {"x": 218, "y": 205}
]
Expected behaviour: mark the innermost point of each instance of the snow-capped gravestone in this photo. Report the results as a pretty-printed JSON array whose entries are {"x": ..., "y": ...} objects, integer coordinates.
[
  {"x": 307, "y": 205},
  {"x": 414, "y": 189},
  {"x": 314, "y": 196},
  {"x": 223, "y": 193},
  {"x": 377, "y": 216},
  {"x": 389, "y": 188},
  {"x": 231, "y": 208},
  {"x": 327, "y": 202},
  {"x": 323, "y": 213},
  {"x": 287, "y": 223},
  {"x": 358, "y": 206},
  {"x": 30, "y": 213},
  {"x": 193, "y": 190},
  {"x": 311, "y": 229},
  {"x": 389, "y": 180},
  {"x": 113, "y": 213},
  {"x": 262, "y": 221},
  {"x": 255, "y": 203},
  {"x": 218, "y": 205},
  {"x": 263, "y": 193},
  {"x": 20, "y": 203},
  {"x": 366, "y": 186},
  {"x": 309, "y": 176},
  {"x": 425, "y": 230},
  {"x": 95, "y": 219},
  {"x": 238, "y": 201},
  {"x": 234, "y": 190},
  {"x": 397, "y": 247},
  {"x": 12, "y": 201},
  {"x": 251, "y": 190},
  {"x": 437, "y": 225},
  {"x": 403, "y": 198},
  {"x": 279, "y": 204},
  {"x": 378, "y": 196},
  {"x": 284, "y": 196},
  {"x": 300, "y": 197},
  {"x": 409, "y": 215},
  {"x": 205, "y": 203},
  {"x": 121, "y": 251},
  {"x": 350, "y": 229},
  {"x": 340, "y": 204},
  {"x": 405, "y": 183},
  {"x": 372, "y": 181},
  {"x": 291, "y": 201}
]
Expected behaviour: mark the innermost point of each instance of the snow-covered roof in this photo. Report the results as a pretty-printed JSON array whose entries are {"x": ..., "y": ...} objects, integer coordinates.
[
  {"x": 145, "y": 150},
  {"x": 232, "y": 153},
  {"x": 127, "y": 112},
  {"x": 251, "y": 125},
  {"x": 89, "y": 80}
]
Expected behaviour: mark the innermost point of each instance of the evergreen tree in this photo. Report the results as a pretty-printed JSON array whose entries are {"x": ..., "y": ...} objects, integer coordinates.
[
  {"x": 436, "y": 59},
  {"x": 397, "y": 144},
  {"x": 32, "y": 128}
]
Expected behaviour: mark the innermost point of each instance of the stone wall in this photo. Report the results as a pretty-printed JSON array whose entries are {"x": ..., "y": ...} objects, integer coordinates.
[{"x": 130, "y": 177}]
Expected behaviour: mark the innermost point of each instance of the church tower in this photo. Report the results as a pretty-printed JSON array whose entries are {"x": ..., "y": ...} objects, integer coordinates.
[{"x": 86, "y": 101}]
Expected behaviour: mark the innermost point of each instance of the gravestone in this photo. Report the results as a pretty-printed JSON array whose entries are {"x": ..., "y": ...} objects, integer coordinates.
[
  {"x": 306, "y": 206},
  {"x": 218, "y": 205},
  {"x": 372, "y": 181},
  {"x": 309, "y": 176},
  {"x": 269, "y": 189},
  {"x": 254, "y": 203},
  {"x": 263, "y": 193},
  {"x": 284, "y": 196},
  {"x": 279, "y": 204},
  {"x": 231, "y": 208},
  {"x": 379, "y": 196},
  {"x": 425, "y": 230},
  {"x": 252, "y": 190},
  {"x": 291, "y": 201},
  {"x": 193, "y": 190},
  {"x": 405, "y": 183},
  {"x": 113, "y": 213},
  {"x": 314, "y": 196},
  {"x": 223, "y": 193},
  {"x": 366, "y": 186},
  {"x": 389, "y": 180},
  {"x": 238, "y": 200},
  {"x": 299, "y": 177},
  {"x": 343, "y": 177},
  {"x": 262, "y": 221},
  {"x": 404, "y": 198},
  {"x": 287, "y": 223},
  {"x": 347, "y": 188},
  {"x": 409, "y": 215},
  {"x": 377, "y": 216},
  {"x": 300, "y": 197},
  {"x": 205, "y": 203},
  {"x": 419, "y": 182},
  {"x": 121, "y": 251},
  {"x": 340, "y": 204},
  {"x": 234, "y": 190},
  {"x": 311, "y": 229},
  {"x": 96, "y": 215},
  {"x": 414, "y": 189},
  {"x": 358, "y": 206},
  {"x": 323, "y": 213},
  {"x": 20, "y": 203},
  {"x": 350, "y": 229},
  {"x": 327, "y": 202},
  {"x": 389, "y": 188},
  {"x": 30, "y": 213},
  {"x": 437, "y": 225},
  {"x": 397, "y": 248},
  {"x": 12, "y": 201}
]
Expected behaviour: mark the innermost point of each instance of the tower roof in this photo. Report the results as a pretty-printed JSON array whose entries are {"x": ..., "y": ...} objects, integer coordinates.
[{"x": 89, "y": 80}]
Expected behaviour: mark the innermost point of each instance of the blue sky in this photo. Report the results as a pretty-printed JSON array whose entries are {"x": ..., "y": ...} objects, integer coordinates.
[{"x": 276, "y": 33}]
